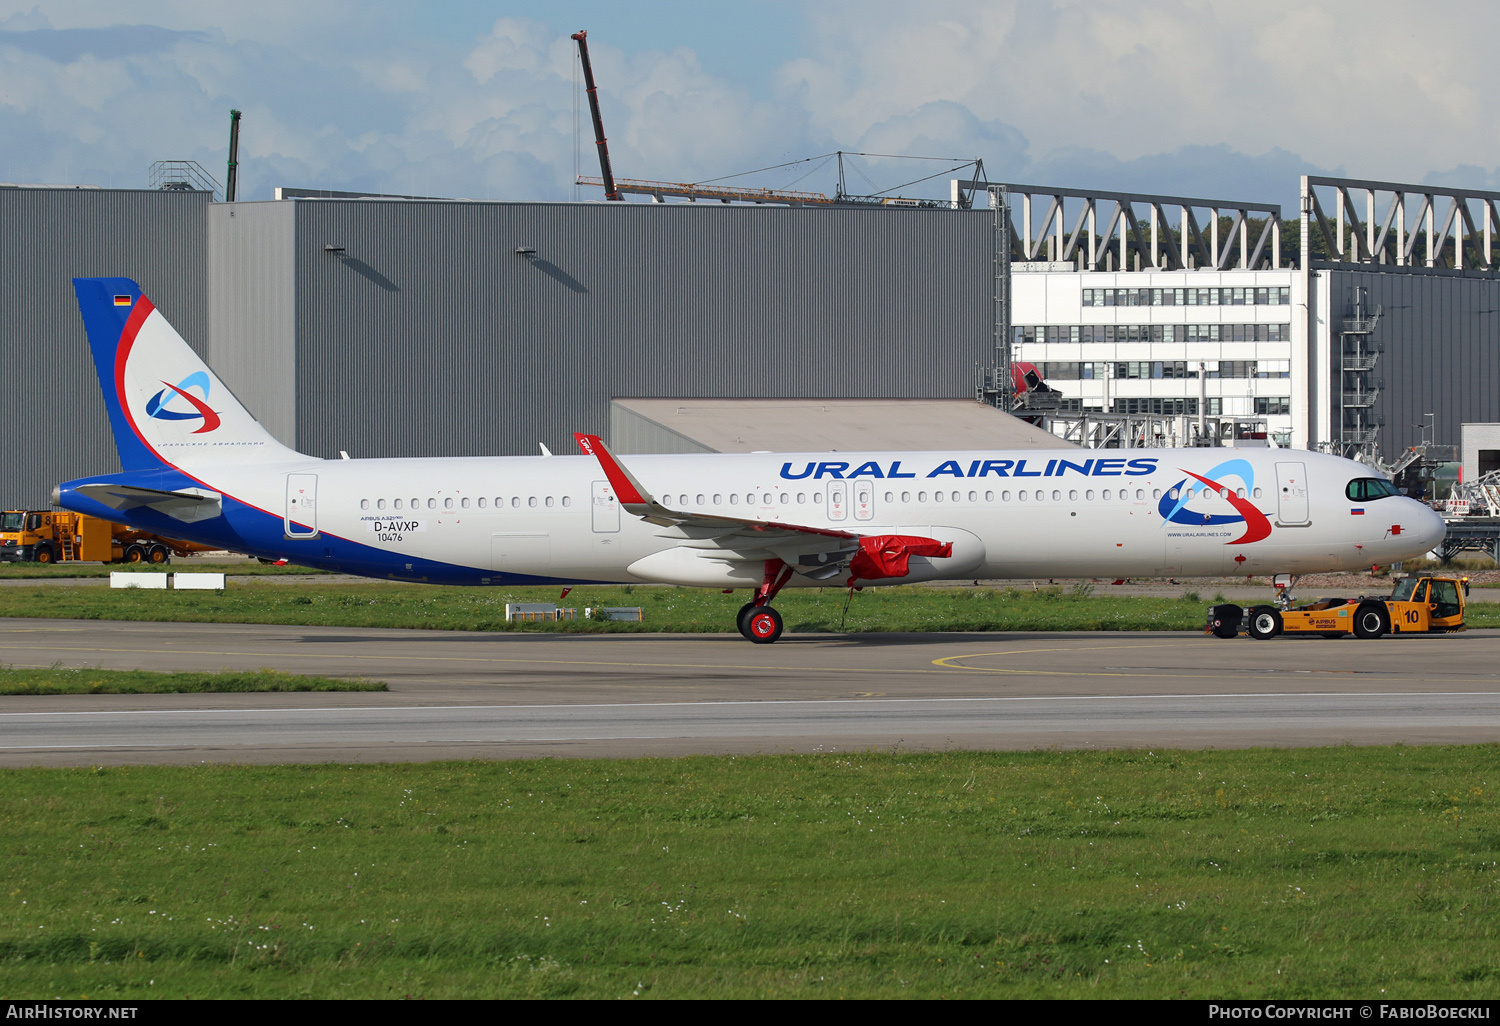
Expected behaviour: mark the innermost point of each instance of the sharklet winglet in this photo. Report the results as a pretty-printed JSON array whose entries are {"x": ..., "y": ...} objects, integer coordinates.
[{"x": 627, "y": 488}]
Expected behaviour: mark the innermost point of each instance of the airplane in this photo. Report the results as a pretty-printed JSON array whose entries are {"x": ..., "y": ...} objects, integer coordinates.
[{"x": 197, "y": 465}]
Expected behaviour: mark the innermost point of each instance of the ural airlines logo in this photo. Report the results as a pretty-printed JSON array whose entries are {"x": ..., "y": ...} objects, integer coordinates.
[
  {"x": 1180, "y": 510},
  {"x": 157, "y": 405}
]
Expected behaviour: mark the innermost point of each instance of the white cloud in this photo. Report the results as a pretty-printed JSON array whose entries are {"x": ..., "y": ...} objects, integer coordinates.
[
  {"x": 1377, "y": 85},
  {"x": 1203, "y": 97}
]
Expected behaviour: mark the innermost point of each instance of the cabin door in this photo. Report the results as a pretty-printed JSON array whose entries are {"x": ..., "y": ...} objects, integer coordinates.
[
  {"x": 301, "y": 518},
  {"x": 1291, "y": 493},
  {"x": 864, "y": 499},
  {"x": 606, "y": 508}
]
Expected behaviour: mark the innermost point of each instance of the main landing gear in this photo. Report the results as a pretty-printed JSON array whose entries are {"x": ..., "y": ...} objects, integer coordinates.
[{"x": 757, "y": 620}]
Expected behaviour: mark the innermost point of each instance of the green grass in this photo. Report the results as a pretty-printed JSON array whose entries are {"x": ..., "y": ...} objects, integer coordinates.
[
  {"x": 64, "y": 681},
  {"x": 667, "y": 609},
  {"x": 1275, "y": 874},
  {"x": 680, "y": 610},
  {"x": 253, "y": 568}
]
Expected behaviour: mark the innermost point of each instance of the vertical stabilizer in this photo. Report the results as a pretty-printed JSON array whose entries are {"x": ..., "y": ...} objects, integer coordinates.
[{"x": 166, "y": 406}]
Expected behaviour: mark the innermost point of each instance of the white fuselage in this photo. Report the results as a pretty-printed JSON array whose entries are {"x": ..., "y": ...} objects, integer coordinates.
[{"x": 1010, "y": 514}]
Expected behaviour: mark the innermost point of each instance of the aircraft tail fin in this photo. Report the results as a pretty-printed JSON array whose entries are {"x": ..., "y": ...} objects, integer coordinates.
[{"x": 166, "y": 407}]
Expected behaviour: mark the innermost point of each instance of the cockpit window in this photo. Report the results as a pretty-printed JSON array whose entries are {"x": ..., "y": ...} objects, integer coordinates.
[{"x": 1368, "y": 489}]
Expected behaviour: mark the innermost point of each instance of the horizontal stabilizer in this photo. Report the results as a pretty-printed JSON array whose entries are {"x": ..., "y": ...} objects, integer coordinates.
[{"x": 188, "y": 505}]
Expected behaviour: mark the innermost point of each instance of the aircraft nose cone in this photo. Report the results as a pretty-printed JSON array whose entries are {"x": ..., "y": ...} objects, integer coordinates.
[{"x": 1432, "y": 530}]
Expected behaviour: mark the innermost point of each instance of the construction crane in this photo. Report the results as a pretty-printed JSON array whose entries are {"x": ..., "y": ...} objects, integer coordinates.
[
  {"x": 658, "y": 191},
  {"x": 693, "y": 191},
  {"x": 610, "y": 192}
]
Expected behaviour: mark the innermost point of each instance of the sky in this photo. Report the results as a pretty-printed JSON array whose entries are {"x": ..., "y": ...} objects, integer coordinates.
[{"x": 1202, "y": 98}]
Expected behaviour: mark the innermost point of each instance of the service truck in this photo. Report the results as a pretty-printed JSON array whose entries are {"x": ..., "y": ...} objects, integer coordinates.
[
  {"x": 1419, "y": 604},
  {"x": 57, "y": 536}
]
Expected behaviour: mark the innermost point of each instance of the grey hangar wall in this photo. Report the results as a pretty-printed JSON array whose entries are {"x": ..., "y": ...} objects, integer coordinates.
[
  {"x": 422, "y": 331},
  {"x": 418, "y": 329},
  {"x": 52, "y": 420}
]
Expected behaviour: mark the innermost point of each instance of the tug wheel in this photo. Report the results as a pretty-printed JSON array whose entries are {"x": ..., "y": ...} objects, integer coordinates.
[
  {"x": 1370, "y": 622},
  {"x": 1265, "y": 622}
]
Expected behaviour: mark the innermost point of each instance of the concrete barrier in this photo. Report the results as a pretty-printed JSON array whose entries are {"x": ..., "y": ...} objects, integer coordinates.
[
  {"x": 130, "y": 579},
  {"x": 198, "y": 582},
  {"x": 626, "y": 614}
]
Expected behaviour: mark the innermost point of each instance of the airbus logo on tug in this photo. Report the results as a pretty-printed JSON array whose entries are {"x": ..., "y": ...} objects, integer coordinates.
[{"x": 840, "y": 470}]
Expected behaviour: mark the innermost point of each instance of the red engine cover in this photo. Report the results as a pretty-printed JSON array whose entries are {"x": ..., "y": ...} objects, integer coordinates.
[{"x": 889, "y": 555}]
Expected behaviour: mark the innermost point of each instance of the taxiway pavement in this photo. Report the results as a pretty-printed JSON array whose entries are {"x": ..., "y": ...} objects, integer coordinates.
[{"x": 493, "y": 695}]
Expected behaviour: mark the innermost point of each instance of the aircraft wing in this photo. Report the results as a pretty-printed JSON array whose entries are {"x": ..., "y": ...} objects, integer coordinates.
[
  {"x": 817, "y": 552},
  {"x": 188, "y": 505}
]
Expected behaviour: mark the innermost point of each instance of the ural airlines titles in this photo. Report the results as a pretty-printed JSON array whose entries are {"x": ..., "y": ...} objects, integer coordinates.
[{"x": 840, "y": 471}]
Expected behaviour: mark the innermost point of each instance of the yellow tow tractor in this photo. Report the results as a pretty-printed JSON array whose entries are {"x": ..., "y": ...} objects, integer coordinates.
[
  {"x": 1420, "y": 604},
  {"x": 60, "y": 536}
]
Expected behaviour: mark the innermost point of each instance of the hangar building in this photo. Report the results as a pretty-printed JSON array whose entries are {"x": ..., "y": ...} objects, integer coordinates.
[{"x": 386, "y": 326}]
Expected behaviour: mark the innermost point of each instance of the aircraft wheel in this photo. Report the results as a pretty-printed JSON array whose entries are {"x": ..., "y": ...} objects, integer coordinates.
[
  {"x": 1226, "y": 632},
  {"x": 159, "y": 554},
  {"x": 742, "y": 616},
  {"x": 1265, "y": 622},
  {"x": 44, "y": 554},
  {"x": 135, "y": 554},
  {"x": 763, "y": 625},
  {"x": 1370, "y": 622}
]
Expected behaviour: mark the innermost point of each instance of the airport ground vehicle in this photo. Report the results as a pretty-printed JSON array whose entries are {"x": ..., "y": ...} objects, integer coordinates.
[
  {"x": 58, "y": 536},
  {"x": 1419, "y": 604}
]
